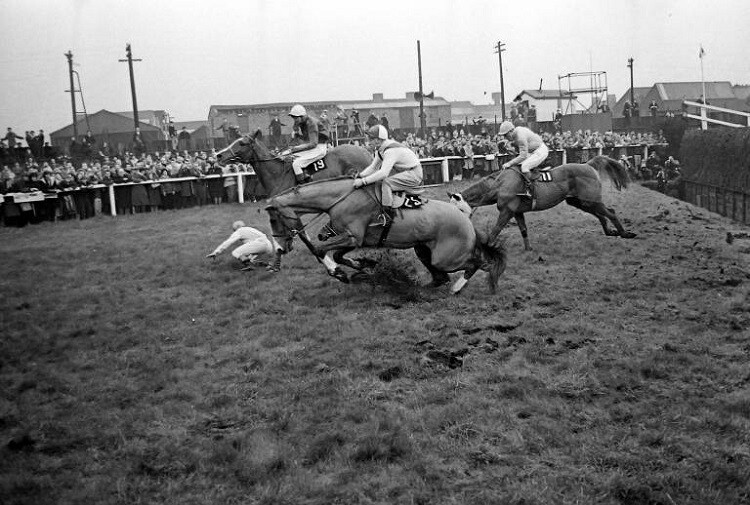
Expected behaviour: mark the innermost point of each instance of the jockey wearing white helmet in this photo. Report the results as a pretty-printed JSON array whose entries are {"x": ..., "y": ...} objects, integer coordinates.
[
  {"x": 314, "y": 146},
  {"x": 532, "y": 150},
  {"x": 394, "y": 164},
  {"x": 254, "y": 244}
]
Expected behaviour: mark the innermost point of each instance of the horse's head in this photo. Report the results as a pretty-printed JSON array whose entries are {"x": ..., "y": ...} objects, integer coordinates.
[
  {"x": 245, "y": 149},
  {"x": 457, "y": 200},
  {"x": 241, "y": 150},
  {"x": 284, "y": 226}
]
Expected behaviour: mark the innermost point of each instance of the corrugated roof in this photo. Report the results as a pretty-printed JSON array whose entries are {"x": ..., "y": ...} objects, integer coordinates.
[
  {"x": 692, "y": 90},
  {"x": 103, "y": 121}
]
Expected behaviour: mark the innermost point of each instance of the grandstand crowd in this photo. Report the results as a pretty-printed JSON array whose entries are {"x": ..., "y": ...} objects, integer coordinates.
[{"x": 79, "y": 180}]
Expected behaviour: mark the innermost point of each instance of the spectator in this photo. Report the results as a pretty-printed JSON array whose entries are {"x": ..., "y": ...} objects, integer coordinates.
[
  {"x": 183, "y": 139},
  {"x": 274, "y": 130},
  {"x": 139, "y": 146},
  {"x": 635, "y": 110},
  {"x": 372, "y": 120},
  {"x": 384, "y": 121},
  {"x": 10, "y": 138},
  {"x": 172, "y": 134},
  {"x": 626, "y": 109}
]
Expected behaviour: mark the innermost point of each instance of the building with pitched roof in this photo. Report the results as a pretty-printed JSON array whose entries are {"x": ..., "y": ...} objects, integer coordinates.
[{"x": 110, "y": 127}]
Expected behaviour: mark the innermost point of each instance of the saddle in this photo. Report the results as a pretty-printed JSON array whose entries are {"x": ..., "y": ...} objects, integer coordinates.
[{"x": 401, "y": 201}]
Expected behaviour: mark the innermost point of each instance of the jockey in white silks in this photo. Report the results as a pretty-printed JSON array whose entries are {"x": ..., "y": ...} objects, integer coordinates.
[
  {"x": 394, "y": 164},
  {"x": 315, "y": 138},
  {"x": 254, "y": 243},
  {"x": 532, "y": 150}
]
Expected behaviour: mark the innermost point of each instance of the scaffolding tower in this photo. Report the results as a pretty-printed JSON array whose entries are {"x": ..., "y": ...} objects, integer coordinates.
[{"x": 589, "y": 83}]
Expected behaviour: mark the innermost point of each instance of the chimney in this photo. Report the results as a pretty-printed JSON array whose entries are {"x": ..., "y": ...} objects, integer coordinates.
[{"x": 377, "y": 97}]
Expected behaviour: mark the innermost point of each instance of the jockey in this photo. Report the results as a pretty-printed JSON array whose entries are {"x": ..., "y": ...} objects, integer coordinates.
[
  {"x": 254, "y": 243},
  {"x": 315, "y": 139},
  {"x": 394, "y": 164},
  {"x": 532, "y": 150}
]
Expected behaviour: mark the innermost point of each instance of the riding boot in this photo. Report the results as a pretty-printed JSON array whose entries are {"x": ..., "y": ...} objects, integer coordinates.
[
  {"x": 527, "y": 187},
  {"x": 302, "y": 178},
  {"x": 247, "y": 265}
]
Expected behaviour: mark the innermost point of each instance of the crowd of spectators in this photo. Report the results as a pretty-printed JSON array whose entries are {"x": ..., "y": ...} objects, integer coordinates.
[
  {"x": 80, "y": 177},
  {"x": 81, "y": 189}
]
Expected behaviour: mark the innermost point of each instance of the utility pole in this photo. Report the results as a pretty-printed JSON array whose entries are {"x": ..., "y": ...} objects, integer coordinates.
[
  {"x": 72, "y": 91},
  {"x": 422, "y": 122},
  {"x": 130, "y": 61},
  {"x": 632, "y": 97},
  {"x": 499, "y": 50}
]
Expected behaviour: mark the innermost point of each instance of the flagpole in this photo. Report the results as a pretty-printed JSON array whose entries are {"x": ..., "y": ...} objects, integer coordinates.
[
  {"x": 703, "y": 80},
  {"x": 704, "y": 111}
]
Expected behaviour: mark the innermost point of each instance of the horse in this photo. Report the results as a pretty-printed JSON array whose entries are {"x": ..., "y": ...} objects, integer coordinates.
[
  {"x": 276, "y": 174},
  {"x": 443, "y": 237},
  {"x": 578, "y": 184}
]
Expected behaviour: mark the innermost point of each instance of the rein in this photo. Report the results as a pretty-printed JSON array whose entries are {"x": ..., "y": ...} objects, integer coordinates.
[{"x": 296, "y": 233}]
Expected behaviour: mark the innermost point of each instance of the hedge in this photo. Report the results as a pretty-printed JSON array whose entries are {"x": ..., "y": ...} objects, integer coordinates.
[{"x": 718, "y": 157}]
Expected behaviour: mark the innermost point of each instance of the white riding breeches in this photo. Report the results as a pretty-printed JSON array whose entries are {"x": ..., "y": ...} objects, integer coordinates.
[
  {"x": 535, "y": 159},
  {"x": 250, "y": 250},
  {"x": 304, "y": 158}
]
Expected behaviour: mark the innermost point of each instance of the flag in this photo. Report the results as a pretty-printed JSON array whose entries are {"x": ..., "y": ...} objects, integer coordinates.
[{"x": 702, "y": 52}]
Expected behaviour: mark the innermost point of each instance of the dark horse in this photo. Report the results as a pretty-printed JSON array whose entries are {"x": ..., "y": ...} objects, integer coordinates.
[
  {"x": 578, "y": 184},
  {"x": 277, "y": 175}
]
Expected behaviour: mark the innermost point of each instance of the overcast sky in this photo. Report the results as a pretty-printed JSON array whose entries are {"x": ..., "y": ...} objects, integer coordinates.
[{"x": 201, "y": 53}]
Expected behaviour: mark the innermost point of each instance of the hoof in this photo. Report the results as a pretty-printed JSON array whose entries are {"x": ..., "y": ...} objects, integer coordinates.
[
  {"x": 458, "y": 285},
  {"x": 366, "y": 262},
  {"x": 340, "y": 275},
  {"x": 628, "y": 234}
]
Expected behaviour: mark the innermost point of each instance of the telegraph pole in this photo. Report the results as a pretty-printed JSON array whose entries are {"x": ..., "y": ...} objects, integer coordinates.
[
  {"x": 422, "y": 122},
  {"x": 130, "y": 61},
  {"x": 632, "y": 97},
  {"x": 499, "y": 50},
  {"x": 72, "y": 91}
]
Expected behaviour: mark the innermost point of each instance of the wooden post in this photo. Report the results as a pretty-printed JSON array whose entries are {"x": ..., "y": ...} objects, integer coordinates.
[
  {"x": 112, "y": 208},
  {"x": 444, "y": 170},
  {"x": 240, "y": 189}
]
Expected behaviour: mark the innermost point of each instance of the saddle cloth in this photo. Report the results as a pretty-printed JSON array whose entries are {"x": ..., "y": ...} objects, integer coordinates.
[{"x": 403, "y": 200}]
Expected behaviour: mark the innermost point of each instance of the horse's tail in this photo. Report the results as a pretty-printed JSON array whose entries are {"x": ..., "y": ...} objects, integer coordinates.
[
  {"x": 491, "y": 251},
  {"x": 615, "y": 170}
]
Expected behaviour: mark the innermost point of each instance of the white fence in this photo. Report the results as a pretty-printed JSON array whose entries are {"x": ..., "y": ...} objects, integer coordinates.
[
  {"x": 704, "y": 119},
  {"x": 436, "y": 170}
]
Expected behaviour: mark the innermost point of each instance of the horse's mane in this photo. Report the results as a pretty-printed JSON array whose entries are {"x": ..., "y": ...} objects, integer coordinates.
[{"x": 312, "y": 183}]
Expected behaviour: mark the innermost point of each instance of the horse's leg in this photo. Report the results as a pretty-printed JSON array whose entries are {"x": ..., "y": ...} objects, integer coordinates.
[
  {"x": 344, "y": 241},
  {"x": 521, "y": 222},
  {"x": 505, "y": 213},
  {"x": 425, "y": 256},
  {"x": 355, "y": 263},
  {"x": 461, "y": 281},
  {"x": 602, "y": 213}
]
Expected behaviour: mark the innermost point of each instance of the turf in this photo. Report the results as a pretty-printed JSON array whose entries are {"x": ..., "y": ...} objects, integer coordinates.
[{"x": 134, "y": 370}]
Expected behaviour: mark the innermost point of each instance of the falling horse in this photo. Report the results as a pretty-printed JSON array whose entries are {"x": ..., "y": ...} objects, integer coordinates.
[
  {"x": 276, "y": 174},
  {"x": 578, "y": 184},
  {"x": 443, "y": 237}
]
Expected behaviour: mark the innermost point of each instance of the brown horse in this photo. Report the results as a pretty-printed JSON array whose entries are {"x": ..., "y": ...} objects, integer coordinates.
[
  {"x": 443, "y": 237},
  {"x": 577, "y": 184},
  {"x": 276, "y": 174}
]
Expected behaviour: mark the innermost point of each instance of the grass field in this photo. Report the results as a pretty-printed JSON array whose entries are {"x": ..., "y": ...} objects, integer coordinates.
[{"x": 134, "y": 370}]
